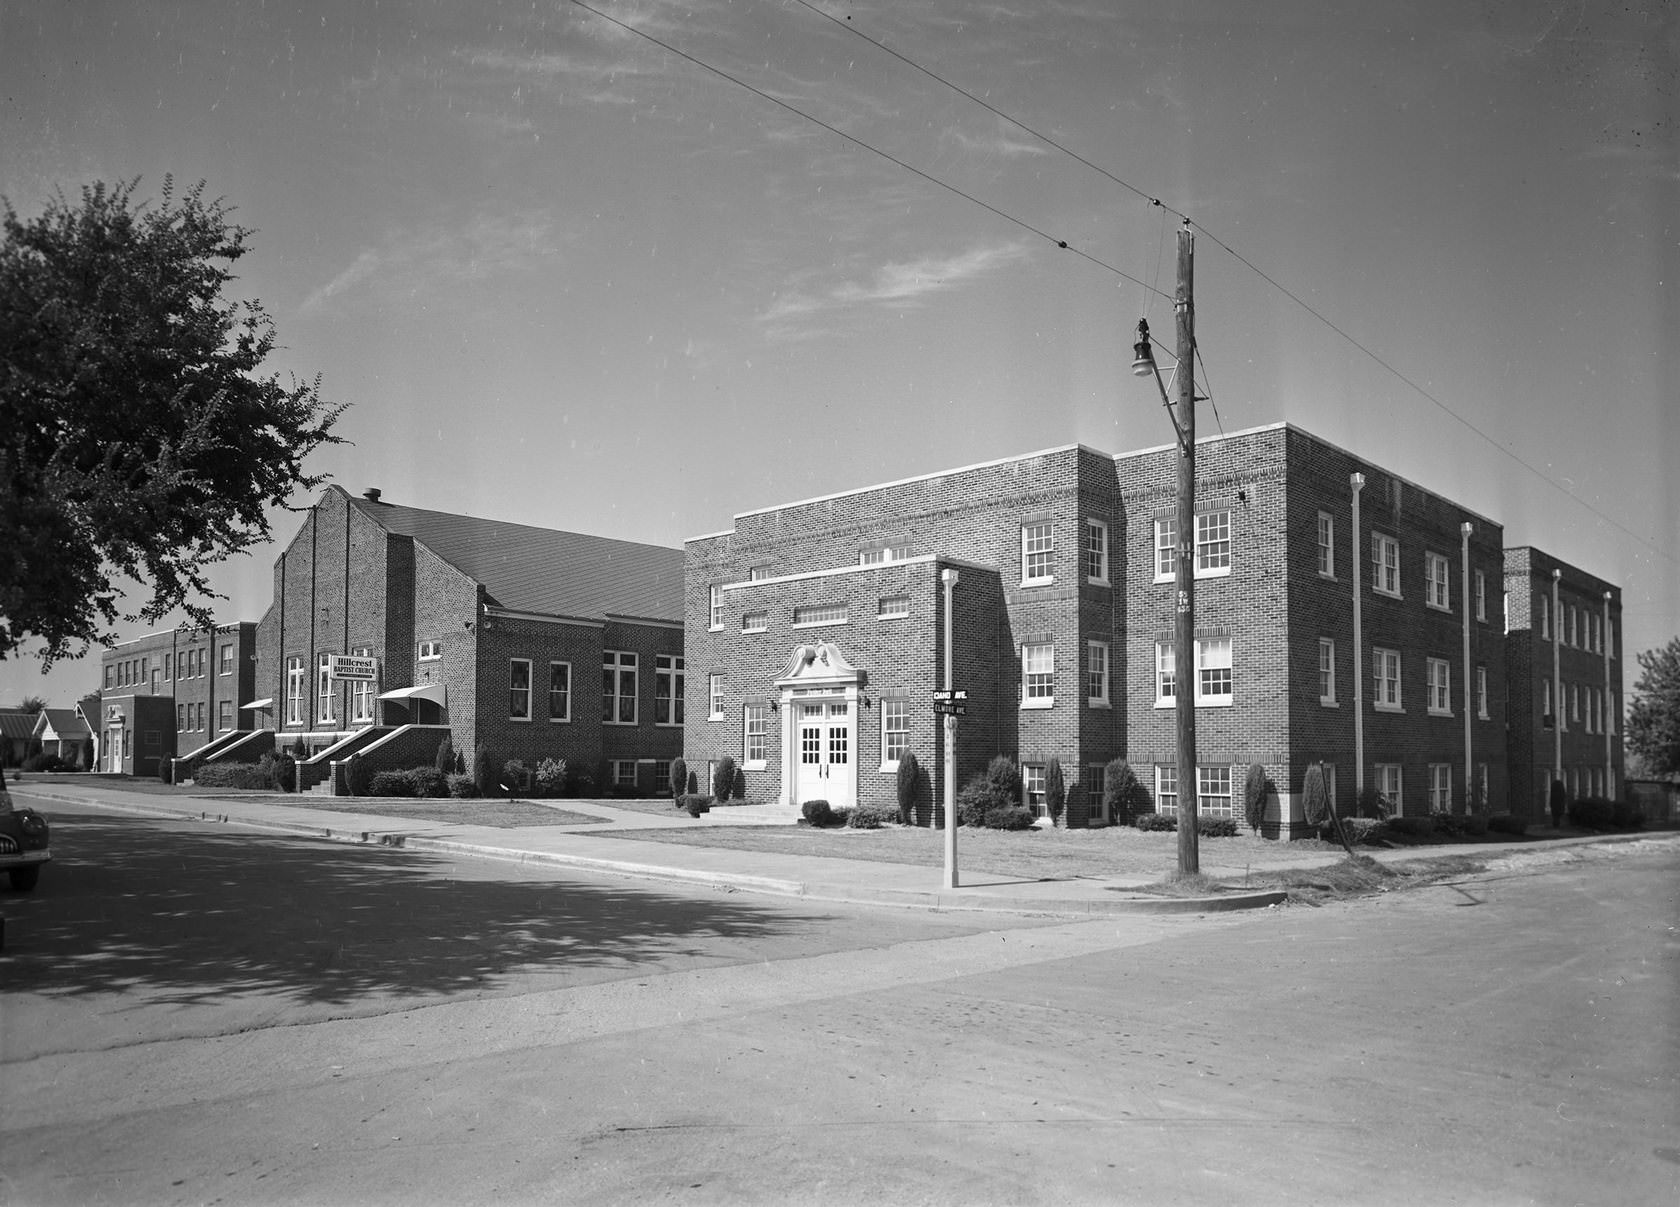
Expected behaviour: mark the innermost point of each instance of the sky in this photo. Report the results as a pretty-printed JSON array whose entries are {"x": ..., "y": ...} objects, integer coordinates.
[{"x": 564, "y": 275}]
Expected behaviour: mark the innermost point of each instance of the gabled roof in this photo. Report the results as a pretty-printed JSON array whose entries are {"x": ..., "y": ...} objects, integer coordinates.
[
  {"x": 61, "y": 723},
  {"x": 16, "y": 724},
  {"x": 543, "y": 570}
]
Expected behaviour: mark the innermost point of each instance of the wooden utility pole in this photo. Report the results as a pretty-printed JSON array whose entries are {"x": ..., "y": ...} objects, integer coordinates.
[{"x": 1184, "y": 651}]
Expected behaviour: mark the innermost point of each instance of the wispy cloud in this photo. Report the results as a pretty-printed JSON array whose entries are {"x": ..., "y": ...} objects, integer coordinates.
[{"x": 901, "y": 284}]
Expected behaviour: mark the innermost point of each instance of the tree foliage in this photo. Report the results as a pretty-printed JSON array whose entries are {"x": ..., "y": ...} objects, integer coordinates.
[
  {"x": 140, "y": 440},
  {"x": 1653, "y": 723}
]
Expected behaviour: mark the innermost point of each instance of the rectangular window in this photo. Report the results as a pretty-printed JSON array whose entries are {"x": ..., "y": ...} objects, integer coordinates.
[
  {"x": 109, "y": 676},
  {"x": 1166, "y": 670},
  {"x": 754, "y": 573},
  {"x": 1038, "y": 676},
  {"x": 669, "y": 683},
  {"x": 1610, "y": 637},
  {"x": 560, "y": 691},
  {"x": 1437, "y": 586},
  {"x": 821, "y": 615},
  {"x": 1166, "y": 549},
  {"x": 1213, "y": 791},
  {"x": 880, "y": 556},
  {"x": 1385, "y": 565},
  {"x": 1166, "y": 789},
  {"x": 1213, "y": 671},
  {"x": 618, "y": 687},
  {"x": 895, "y": 732},
  {"x": 1481, "y": 596},
  {"x": 1213, "y": 543},
  {"x": 1574, "y": 703},
  {"x": 1096, "y": 673},
  {"x": 180, "y": 718},
  {"x": 294, "y": 691},
  {"x": 1390, "y": 786},
  {"x": 1032, "y": 785},
  {"x": 1440, "y": 787},
  {"x": 755, "y": 725},
  {"x": 1546, "y": 700},
  {"x": 224, "y": 716},
  {"x": 1481, "y": 692},
  {"x": 324, "y": 711},
  {"x": 1326, "y": 544},
  {"x": 1573, "y": 635},
  {"x": 227, "y": 660},
  {"x": 361, "y": 690},
  {"x": 1326, "y": 670},
  {"x": 1096, "y": 552},
  {"x": 624, "y": 773},
  {"x": 714, "y": 695},
  {"x": 201, "y": 716},
  {"x": 519, "y": 689},
  {"x": 1038, "y": 552},
  {"x": 1439, "y": 701},
  {"x": 1545, "y": 610},
  {"x": 1385, "y": 678},
  {"x": 893, "y": 607},
  {"x": 429, "y": 651},
  {"x": 716, "y": 608},
  {"x": 755, "y": 622},
  {"x": 662, "y": 776}
]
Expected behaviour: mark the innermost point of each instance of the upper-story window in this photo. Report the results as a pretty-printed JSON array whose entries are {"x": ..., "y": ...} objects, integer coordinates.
[
  {"x": 754, "y": 573},
  {"x": 519, "y": 689},
  {"x": 618, "y": 687},
  {"x": 755, "y": 622},
  {"x": 429, "y": 651},
  {"x": 1385, "y": 678},
  {"x": 714, "y": 697},
  {"x": 1385, "y": 564},
  {"x": 1437, "y": 591},
  {"x": 1545, "y": 610},
  {"x": 324, "y": 696},
  {"x": 1038, "y": 552},
  {"x": 716, "y": 620},
  {"x": 1096, "y": 674},
  {"x": 1481, "y": 693},
  {"x": 294, "y": 690},
  {"x": 1213, "y": 543},
  {"x": 880, "y": 555},
  {"x": 1440, "y": 687},
  {"x": 227, "y": 660},
  {"x": 1327, "y": 671},
  {"x": 1326, "y": 544},
  {"x": 1213, "y": 670},
  {"x": 821, "y": 614},
  {"x": 1166, "y": 548},
  {"x": 1038, "y": 676},
  {"x": 1096, "y": 552},
  {"x": 1481, "y": 596},
  {"x": 669, "y": 676},
  {"x": 892, "y": 607},
  {"x": 559, "y": 691}
]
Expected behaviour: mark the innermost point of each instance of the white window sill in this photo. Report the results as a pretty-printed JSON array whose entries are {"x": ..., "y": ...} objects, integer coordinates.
[
  {"x": 1039, "y": 702},
  {"x": 1103, "y": 703},
  {"x": 667, "y": 724},
  {"x": 560, "y": 720},
  {"x": 1440, "y": 712},
  {"x": 520, "y": 720},
  {"x": 1328, "y": 702},
  {"x": 1166, "y": 701},
  {"x": 622, "y": 724},
  {"x": 750, "y": 632},
  {"x": 1387, "y": 707},
  {"x": 753, "y": 765},
  {"x": 1218, "y": 572},
  {"x": 1166, "y": 578},
  {"x": 716, "y": 716},
  {"x": 1218, "y": 702},
  {"x": 890, "y": 768},
  {"x": 1098, "y": 582},
  {"x": 714, "y": 628},
  {"x": 1038, "y": 582},
  {"x": 1435, "y": 607},
  {"x": 895, "y": 616},
  {"x": 1376, "y": 590},
  {"x": 1328, "y": 576},
  {"x": 1482, "y": 716},
  {"x": 820, "y": 624}
]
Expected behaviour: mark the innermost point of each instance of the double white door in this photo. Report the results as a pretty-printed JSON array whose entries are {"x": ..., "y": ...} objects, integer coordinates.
[{"x": 826, "y": 745}]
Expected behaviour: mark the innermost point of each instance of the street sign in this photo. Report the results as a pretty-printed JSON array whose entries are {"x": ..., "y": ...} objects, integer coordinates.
[
  {"x": 951, "y": 701},
  {"x": 352, "y": 666}
]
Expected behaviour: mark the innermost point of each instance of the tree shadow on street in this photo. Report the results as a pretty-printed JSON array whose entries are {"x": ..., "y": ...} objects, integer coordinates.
[{"x": 187, "y": 916}]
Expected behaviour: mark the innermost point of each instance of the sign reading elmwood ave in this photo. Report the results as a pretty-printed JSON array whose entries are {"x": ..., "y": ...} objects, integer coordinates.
[{"x": 352, "y": 666}]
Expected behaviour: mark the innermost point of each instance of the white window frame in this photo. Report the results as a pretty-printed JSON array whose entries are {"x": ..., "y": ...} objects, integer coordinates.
[
  {"x": 428, "y": 651},
  {"x": 1438, "y": 700},
  {"x": 1481, "y": 595},
  {"x": 755, "y": 735},
  {"x": 880, "y": 555},
  {"x": 715, "y": 603},
  {"x": 1546, "y": 709},
  {"x": 818, "y": 616},
  {"x": 621, "y": 666},
  {"x": 895, "y": 731},
  {"x": 1213, "y": 785},
  {"x": 1386, "y": 693},
  {"x": 624, "y": 773},
  {"x": 1545, "y": 610},
  {"x": 662, "y": 776},
  {"x": 226, "y": 667},
  {"x": 1440, "y": 787},
  {"x": 1166, "y": 674},
  {"x": 1327, "y": 672},
  {"x": 1207, "y": 655},
  {"x": 756, "y": 621},
  {"x": 519, "y": 697},
  {"x": 1210, "y": 561},
  {"x": 1033, "y": 789},
  {"x": 1038, "y": 552},
  {"x": 1096, "y": 674},
  {"x": 1096, "y": 552},
  {"x": 361, "y": 691},
  {"x": 1383, "y": 773},
  {"x": 1166, "y": 785},
  {"x": 1437, "y": 581},
  {"x": 564, "y": 715},
  {"x": 1385, "y": 565},
  {"x": 670, "y": 674},
  {"x": 1326, "y": 545},
  {"x": 714, "y": 696},
  {"x": 1166, "y": 549},
  {"x": 1481, "y": 693},
  {"x": 1038, "y": 675},
  {"x": 892, "y": 607},
  {"x": 326, "y": 699},
  {"x": 294, "y": 690}
]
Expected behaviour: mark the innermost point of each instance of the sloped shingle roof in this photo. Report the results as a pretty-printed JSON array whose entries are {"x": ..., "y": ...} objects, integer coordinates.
[
  {"x": 15, "y": 724},
  {"x": 63, "y": 722},
  {"x": 543, "y": 570}
]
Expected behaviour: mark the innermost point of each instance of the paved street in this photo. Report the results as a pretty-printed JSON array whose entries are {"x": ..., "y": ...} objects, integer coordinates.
[{"x": 199, "y": 1015}]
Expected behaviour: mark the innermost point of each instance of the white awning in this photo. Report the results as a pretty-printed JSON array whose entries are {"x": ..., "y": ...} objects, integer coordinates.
[
  {"x": 424, "y": 691},
  {"x": 261, "y": 705}
]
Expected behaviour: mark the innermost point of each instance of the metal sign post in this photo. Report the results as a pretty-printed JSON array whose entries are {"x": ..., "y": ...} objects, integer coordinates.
[{"x": 949, "y": 578}]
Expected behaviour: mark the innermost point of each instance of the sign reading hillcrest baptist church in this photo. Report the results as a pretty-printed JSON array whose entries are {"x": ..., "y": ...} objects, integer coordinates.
[{"x": 352, "y": 666}]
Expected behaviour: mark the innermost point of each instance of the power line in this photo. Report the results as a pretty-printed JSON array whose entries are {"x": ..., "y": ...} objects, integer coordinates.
[{"x": 1061, "y": 244}]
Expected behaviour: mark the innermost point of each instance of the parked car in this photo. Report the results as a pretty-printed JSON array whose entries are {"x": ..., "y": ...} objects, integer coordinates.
[{"x": 23, "y": 842}]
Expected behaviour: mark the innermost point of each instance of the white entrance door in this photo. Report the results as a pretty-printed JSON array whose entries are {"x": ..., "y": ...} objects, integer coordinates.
[
  {"x": 114, "y": 744},
  {"x": 827, "y": 770}
]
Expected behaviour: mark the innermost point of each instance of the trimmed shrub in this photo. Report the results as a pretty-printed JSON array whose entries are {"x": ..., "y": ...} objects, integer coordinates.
[
  {"x": 909, "y": 772},
  {"x": 1004, "y": 778},
  {"x": 461, "y": 786},
  {"x": 1254, "y": 796},
  {"x": 357, "y": 775},
  {"x": 1055, "y": 791},
  {"x": 1216, "y": 827},
  {"x": 696, "y": 803},
  {"x": 1473, "y": 825},
  {"x": 977, "y": 798},
  {"x": 1412, "y": 827},
  {"x": 1559, "y": 803},
  {"x": 1010, "y": 817},
  {"x": 484, "y": 773},
  {"x": 872, "y": 817},
  {"x": 817, "y": 813},
  {"x": 1315, "y": 796},
  {"x": 1157, "y": 821},
  {"x": 551, "y": 776},
  {"x": 723, "y": 778},
  {"x": 1599, "y": 813},
  {"x": 1508, "y": 823},
  {"x": 232, "y": 775},
  {"x": 1627, "y": 815},
  {"x": 429, "y": 781},
  {"x": 41, "y": 761},
  {"x": 1367, "y": 830},
  {"x": 445, "y": 761},
  {"x": 1122, "y": 794},
  {"x": 166, "y": 769},
  {"x": 679, "y": 780},
  {"x": 299, "y": 750},
  {"x": 391, "y": 783},
  {"x": 281, "y": 770},
  {"x": 516, "y": 776}
]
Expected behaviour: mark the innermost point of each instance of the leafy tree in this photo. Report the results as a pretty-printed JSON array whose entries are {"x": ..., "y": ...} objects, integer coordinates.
[
  {"x": 1122, "y": 794},
  {"x": 140, "y": 440},
  {"x": 32, "y": 704},
  {"x": 1055, "y": 791},
  {"x": 679, "y": 779},
  {"x": 1653, "y": 723},
  {"x": 1254, "y": 796}
]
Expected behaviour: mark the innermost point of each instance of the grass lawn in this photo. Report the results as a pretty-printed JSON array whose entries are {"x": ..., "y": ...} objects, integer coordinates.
[{"x": 503, "y": 814}]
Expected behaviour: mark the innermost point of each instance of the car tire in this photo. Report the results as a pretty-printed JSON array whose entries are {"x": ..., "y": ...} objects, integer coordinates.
[{"x": 24, "y": 879}]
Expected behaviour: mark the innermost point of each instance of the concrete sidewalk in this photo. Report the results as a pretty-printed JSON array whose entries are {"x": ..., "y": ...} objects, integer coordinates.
[{"x": 814, "y": 877}]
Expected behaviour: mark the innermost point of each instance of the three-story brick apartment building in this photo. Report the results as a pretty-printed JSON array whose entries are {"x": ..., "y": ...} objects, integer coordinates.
[
  {"x": 526, "y": 642},
  {"x": 1563, "y": 661},
  {"x": 1342, "y": 618}
]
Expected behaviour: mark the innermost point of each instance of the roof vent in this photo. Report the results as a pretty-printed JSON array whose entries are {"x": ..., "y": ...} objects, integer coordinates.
[{"x": 371, "y": 494}]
